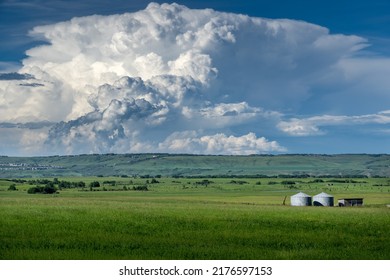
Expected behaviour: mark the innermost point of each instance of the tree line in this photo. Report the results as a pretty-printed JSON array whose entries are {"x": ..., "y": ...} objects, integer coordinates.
[{"x": 46, "y": 186}]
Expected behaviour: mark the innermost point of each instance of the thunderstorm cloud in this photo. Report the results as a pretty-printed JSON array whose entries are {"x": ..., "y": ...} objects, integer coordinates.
[{"x": 173, "y": 79}]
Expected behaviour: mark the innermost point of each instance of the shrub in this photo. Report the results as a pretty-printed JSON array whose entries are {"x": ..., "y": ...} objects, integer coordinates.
[
  {"x": 35, "y": 189},
  {"x": 141, "y": 188},
  {"x": 94, "y": 184},
  {"x": 64, "y": 185},
  {"x": 12, "y": 187},
  {"x": 239, "y": 182},
  {"x": 81, "y": 184},
  {"x": 288, "y": 182},
  {"x": 204, "y": 182},
  {"x": 47, "y": 189}
]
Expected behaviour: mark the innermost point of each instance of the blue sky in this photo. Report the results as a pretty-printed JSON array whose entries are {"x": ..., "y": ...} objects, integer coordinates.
[{"x": 328, "y": 94}]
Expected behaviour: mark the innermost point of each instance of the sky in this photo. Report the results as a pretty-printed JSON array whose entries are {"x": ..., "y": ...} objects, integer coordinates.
[{"x": 202, "y": 77}]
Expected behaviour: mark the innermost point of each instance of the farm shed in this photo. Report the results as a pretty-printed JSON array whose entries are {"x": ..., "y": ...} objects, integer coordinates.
[
  {"x": 350, "y": 202},
  {"x": 323, "y": 199},
  {"x": 300, "y": 199}
]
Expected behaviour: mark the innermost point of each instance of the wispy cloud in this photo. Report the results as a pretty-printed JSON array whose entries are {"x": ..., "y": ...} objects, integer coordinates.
[{"x": 312, "y": 125}]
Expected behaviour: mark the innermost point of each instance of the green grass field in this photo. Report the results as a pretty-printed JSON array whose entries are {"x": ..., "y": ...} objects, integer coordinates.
[{"x": 185, "y": 219}]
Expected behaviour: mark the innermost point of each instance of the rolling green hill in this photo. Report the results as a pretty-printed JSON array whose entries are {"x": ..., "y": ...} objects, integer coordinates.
[{"x": 343, "y": 165}]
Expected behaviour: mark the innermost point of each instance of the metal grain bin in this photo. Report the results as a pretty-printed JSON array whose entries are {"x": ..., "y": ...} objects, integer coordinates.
[
  {"x": 301, "y": 199},
  {"x": 323, "y": 199}
]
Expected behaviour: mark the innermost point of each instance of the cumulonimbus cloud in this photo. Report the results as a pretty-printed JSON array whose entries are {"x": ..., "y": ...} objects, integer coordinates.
[{"x": 170, "y": 78}]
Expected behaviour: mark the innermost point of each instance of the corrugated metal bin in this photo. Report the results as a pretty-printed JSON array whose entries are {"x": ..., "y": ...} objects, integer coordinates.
[
  {"x": 301, "y": 199},
  {"x": 323, "y": 199}
]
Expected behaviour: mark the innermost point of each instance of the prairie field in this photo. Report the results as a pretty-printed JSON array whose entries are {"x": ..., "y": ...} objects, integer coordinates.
[{"x": 193, "y": 218}]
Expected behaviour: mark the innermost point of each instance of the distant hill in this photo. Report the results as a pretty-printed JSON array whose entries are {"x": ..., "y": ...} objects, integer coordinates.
[{"x": 345, "y": 165}]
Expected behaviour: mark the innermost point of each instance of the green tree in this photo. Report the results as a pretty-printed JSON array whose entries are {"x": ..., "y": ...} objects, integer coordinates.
[
  {"x": 12, "y": 187},
  {"x": 49, "y": 188},
  {"x": 81, "y": 184},
  {"x": 94, "y": 184},
  {"x": 36, "y": 189}
]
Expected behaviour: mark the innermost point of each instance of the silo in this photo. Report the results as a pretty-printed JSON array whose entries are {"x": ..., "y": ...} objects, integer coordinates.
[
  {"x": 323, "y": 199},
  {"x": 301, "y": 199}
]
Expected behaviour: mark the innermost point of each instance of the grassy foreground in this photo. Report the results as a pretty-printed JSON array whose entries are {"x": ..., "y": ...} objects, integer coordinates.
[{"x": 185, "y": 220}]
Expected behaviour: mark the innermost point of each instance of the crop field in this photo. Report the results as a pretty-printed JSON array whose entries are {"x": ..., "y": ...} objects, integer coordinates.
[{"x": 192, "y": 218}]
